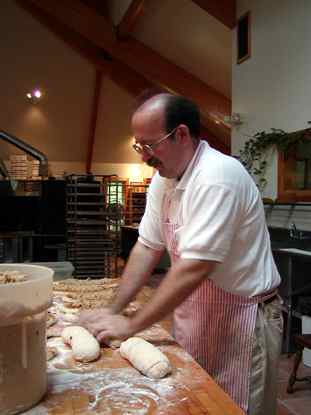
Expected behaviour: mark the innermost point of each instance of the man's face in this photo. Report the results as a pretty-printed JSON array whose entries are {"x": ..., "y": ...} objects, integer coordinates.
[{"x": 162, "y": 153}]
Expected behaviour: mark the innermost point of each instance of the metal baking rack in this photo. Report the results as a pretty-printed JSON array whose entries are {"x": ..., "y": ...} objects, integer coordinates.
[{"x": 93, "y": 226}]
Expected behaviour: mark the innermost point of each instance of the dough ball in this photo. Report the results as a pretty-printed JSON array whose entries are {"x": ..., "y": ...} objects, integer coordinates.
[
  {"x": 85, "y": 347},
  {"x": 145, "y": 357}
]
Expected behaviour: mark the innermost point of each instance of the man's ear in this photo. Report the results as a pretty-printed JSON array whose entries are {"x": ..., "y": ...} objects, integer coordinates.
[{"x": 183, "y": 132}]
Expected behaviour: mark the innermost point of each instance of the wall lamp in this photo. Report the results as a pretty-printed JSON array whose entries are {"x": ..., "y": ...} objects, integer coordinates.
[
  {"x": 229, "y": 121},
  {"x": 34, "y": 96},
  {"x": 234, "y": 119}
]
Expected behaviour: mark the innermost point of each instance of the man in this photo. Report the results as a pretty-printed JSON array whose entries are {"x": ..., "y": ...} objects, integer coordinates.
[{"x": 205, "y": 209}]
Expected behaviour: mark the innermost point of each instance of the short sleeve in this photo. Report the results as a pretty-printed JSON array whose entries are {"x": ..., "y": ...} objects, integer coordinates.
[
  {"x": 212, "y": 217},
  {"x": 150, "y": 232}
]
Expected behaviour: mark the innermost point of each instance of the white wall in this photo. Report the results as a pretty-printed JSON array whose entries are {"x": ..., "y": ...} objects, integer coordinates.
[
  {"x": 273, "y": 87},
  {"x": 58, "y": 126}
]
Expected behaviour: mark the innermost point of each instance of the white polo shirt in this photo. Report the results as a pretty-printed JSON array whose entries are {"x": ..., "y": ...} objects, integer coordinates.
[{"x": 220, "y": 217}]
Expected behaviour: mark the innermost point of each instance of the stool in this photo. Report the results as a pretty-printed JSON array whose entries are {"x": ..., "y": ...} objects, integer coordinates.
[{"x": 301, "y": 341}]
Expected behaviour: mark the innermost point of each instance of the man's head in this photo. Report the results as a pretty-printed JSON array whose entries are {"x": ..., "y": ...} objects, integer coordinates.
[{"x": 166, "y": 128}]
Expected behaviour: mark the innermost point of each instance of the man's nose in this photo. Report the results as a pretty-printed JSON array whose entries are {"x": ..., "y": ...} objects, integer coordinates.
[{"x": 145, "y": 156}]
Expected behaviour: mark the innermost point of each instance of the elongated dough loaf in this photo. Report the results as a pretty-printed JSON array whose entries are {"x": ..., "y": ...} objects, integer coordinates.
[
  {"x": 145, "y": 357},
  {"x": 85, "y": 347}
]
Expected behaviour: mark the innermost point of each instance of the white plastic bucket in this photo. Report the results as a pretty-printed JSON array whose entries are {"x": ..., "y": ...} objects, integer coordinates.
[{"x": 23, "y": 305}]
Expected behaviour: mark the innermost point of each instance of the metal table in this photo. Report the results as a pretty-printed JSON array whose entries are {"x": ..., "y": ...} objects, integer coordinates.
[{"x": 293, "y": 265}]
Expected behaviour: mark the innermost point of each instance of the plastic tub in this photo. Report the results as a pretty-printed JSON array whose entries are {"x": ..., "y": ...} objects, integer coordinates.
[
  {"x": 23, "y": 305},
  {"x": 62, "y": 269}
]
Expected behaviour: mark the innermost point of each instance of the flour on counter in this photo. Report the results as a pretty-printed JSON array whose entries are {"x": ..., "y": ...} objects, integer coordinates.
[{"x": 112, "y": 391}]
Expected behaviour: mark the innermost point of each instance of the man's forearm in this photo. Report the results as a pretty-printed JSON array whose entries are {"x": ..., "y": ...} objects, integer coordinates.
[
  {"x": 139, "y": 266},
  {"x": 182, "y": 279}
]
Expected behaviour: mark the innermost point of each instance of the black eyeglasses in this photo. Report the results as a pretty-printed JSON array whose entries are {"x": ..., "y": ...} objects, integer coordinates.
[{"x": 149, "y": 148}]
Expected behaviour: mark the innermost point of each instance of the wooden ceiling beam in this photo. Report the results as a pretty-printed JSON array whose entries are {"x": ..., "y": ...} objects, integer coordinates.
[
  {"x": 141, "y": 59},
  {"x": 78, "y": 17},
  {"x": 222, "y": 10},
  {"x": 206, "y": 135},
  {"x": 130, "y": 19},
  {"x": 99, "y": 5},
  {"x": 120, "y": 73},
  {"x": 85, "y": 48}
]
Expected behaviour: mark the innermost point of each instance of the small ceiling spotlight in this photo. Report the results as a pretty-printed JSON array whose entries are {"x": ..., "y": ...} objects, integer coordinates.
[{"x": 34, "y": 96}]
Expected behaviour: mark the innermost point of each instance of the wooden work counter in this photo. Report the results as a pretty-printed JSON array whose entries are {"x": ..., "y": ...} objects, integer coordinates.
[{"x": 112, "y": 386}]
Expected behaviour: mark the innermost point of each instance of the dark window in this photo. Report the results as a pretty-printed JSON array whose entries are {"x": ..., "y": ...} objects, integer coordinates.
[{"x": 243, "y": 38}]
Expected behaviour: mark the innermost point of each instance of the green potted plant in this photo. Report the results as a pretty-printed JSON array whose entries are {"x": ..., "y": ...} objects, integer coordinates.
[{"x": 254, "y": 154}]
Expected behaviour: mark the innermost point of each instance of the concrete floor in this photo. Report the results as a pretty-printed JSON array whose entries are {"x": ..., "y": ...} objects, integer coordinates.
[{"x": 299, "y": 402}]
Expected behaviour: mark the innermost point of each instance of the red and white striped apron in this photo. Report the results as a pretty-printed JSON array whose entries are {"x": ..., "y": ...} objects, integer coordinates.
[{"x": 215, "y": 327}]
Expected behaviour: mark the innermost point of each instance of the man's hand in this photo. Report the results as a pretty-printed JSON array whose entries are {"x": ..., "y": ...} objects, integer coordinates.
[
  {"x": 89, "y": 317},
  {"x": 105, "y": 325},
  {"x": 112, "y": 327}
]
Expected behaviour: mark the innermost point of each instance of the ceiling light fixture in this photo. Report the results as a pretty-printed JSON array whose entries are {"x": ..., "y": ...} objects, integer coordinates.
[{"x": 34, "y": 96}]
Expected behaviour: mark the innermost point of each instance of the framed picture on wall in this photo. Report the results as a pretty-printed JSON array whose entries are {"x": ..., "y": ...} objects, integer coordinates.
[{"x": 244, "y": 37}]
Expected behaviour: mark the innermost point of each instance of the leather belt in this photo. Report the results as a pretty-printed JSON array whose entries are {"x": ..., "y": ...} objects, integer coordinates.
[{"x": 269, "y": 300}]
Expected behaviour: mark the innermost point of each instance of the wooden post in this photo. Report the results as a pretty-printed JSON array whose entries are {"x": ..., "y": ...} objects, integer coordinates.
[{"x": 93, "y": 121}]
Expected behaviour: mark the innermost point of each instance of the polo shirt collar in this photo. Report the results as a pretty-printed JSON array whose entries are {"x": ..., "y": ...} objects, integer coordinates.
[{"x": 182, "y": 183}]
